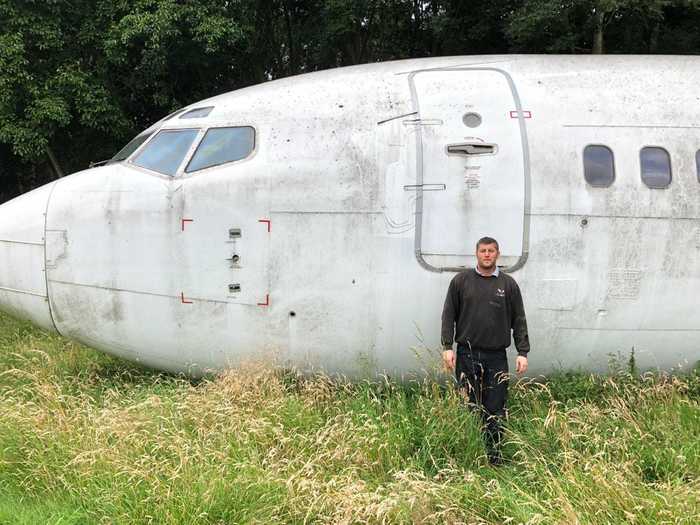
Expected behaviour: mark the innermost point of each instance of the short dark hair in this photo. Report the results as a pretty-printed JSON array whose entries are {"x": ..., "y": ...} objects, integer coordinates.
[{"x": 487, "y": 240}]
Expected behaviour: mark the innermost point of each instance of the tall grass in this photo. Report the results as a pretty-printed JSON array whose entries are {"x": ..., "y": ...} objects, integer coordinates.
[{"x": 85, "y": 438}]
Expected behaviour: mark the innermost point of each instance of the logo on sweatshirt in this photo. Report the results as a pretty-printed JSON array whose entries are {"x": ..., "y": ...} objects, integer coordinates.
[{"x": 500, "y": 292}]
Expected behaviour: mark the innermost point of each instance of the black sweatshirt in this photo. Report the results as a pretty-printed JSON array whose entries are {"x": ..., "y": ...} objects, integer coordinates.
[{"x": 485, "y": 309}]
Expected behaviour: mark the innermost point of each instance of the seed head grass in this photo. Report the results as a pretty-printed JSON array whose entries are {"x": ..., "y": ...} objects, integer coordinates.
[{"x": 86, "y": 438}]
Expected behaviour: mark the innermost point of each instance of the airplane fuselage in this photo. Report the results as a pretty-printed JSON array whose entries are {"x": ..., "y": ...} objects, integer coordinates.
[{"x": 328, "y": 240}]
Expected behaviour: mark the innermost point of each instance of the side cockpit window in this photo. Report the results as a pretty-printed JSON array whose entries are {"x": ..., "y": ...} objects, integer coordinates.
[
  {"x": 656, "y": 167},
  {"x": 166, "y": 151},
  {"x": 142, "y": 137},
  {"x": 598, "y": 166},
  {"x": 222, "y": 145},
  {"x": 132, "y": 146}
]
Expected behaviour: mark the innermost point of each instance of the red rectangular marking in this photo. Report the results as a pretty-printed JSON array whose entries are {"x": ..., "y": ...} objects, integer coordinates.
[
  {"x": 184, "y": 221},
  {"x": 268, "y": 221},
  {"x": 526, "y": 114},
  {"x": 267, "y": 301},
  {"x": 182, "y": 298}
]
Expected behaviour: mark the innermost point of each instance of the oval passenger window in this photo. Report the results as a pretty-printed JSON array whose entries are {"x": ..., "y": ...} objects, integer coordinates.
[
  {"x": 656, "y": 167},
  {"x": 598, "y": 166}
]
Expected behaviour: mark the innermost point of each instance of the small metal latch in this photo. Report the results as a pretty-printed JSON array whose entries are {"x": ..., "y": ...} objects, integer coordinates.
[
  {"x": 234, "y": 233},
  {"x": 235, "y": 258},
  {"x": 234, "y": 288}
]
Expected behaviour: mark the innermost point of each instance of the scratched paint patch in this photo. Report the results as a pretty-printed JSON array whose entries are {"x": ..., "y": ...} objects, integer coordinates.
[{"x": 624, "y": 283}]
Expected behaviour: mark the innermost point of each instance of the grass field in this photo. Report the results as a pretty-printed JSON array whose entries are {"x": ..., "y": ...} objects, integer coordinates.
[{"x": 85, "y": 438}]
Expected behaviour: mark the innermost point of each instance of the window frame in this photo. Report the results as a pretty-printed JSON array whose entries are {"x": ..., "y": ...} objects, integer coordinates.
[
  {"x": 250, "y": 155},
  {"x": 188, "y": 153},
  {"x": 149, "y": 136},
  {"x": 154, "y": 129},
  {"x": 670, "y": 168},
  {"x": 181, "y": 173},
  {"x": 583, "y": 160}
]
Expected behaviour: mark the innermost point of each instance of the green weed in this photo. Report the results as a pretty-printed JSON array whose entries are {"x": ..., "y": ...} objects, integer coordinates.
[{"x": 87, "y": 438}]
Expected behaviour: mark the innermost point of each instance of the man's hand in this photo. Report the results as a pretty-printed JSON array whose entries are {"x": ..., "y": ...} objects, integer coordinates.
[
  {"x": 448, "y": 359},
  {"x": 521, "y": 365}
]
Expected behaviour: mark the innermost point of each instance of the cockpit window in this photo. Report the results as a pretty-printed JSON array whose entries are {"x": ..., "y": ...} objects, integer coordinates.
[
  {"x": 132, "y": 146},
  {"x": 198, "y": 112},
  {"x": 165, "y": 152},
  {"x": 142, "y": 137},
  {"x": 221, "y": 145},
  {"x": 172, "y": 115}
]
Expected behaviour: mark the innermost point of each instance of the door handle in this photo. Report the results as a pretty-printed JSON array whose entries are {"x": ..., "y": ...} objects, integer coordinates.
[{"x": 471, "y": 148}]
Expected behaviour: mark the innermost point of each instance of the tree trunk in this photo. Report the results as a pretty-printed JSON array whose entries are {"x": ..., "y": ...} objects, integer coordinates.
[
  {"x": 415, "y": 25},
  {"x": 654, "y": 38},
  {"x": 352, "y": 46},
  {"x": 598, "y": 46},
  {"x": 293, "y": 68},
  {"x": 434, "y": 38},
  {"x": 265, "y": 43},
  {"x": 367, "y": 32},
  {"x": 54, "y": 163}
]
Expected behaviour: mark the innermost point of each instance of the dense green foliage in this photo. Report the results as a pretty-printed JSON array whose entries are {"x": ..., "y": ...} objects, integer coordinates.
[
  {"x": 85, "y": 438},
  {"x": 78, "y": 78}
]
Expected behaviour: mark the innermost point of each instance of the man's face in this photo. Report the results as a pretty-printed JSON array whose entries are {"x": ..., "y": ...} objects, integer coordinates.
[{"x": 486, "y": 256}]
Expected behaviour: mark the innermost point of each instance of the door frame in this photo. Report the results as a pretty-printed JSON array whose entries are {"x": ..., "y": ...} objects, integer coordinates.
[{"x": 418, "y": 240}]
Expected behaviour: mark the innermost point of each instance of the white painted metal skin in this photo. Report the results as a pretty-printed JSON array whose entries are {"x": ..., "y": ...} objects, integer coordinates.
[{"x": 365, "y": 192}]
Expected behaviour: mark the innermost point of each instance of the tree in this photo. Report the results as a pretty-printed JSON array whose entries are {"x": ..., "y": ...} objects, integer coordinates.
[
  {"x": 78, "y": 78},
  {"x": 578, "y": 25},
  {"x": 47, "y": 78}
]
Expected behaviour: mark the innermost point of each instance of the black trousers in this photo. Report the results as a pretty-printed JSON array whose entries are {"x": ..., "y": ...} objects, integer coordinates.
[{"x": 484, "y": 375}]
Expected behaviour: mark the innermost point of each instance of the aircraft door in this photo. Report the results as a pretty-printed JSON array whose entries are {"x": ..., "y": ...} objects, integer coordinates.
[
  {"x": 225, "y": 239},
  {"x": 472, "y": 162}
]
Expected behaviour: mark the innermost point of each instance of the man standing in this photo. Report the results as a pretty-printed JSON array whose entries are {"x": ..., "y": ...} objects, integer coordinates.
[{"x": 482, "y": 306}]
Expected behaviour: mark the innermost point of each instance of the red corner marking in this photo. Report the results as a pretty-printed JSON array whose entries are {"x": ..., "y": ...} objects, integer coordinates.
[
  {"x": 269, "y": 223},
  {"x": 182, "y": 298},
  {"x": 267, "y": 301},
  {"x": 526, "y": 114},
  {"x": 184, "y": 221}
]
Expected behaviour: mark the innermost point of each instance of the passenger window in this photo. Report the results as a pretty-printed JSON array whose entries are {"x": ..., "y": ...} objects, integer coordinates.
[
  {"x": 167, "y": 149},
  {"x": 221, "y": 145},
  {"x": 656, "y": 167},
  {"x": 598, "y": 166}
]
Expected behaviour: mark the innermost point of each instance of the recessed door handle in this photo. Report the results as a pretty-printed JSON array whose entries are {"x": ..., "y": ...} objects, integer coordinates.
[{"x": 471, "y": 148}]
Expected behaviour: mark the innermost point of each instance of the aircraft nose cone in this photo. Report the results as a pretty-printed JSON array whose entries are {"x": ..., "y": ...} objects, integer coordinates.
[{"x": 23, "y": 292}]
